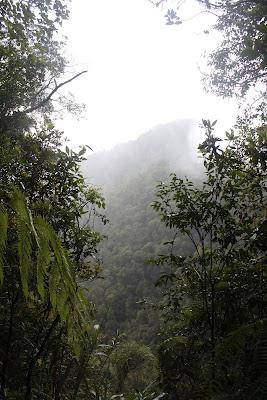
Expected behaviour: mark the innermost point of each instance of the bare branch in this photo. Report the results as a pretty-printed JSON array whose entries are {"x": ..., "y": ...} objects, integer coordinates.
[{"x": 44, "y": 101}]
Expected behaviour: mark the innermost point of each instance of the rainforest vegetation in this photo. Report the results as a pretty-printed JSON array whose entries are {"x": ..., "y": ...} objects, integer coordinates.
[{"x": 164, "y": 293}]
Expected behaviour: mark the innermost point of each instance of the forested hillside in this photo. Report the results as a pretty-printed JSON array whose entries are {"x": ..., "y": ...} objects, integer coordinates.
[
  {"x": 128, "y": 176},
  {"x": 211, "y": 272}
]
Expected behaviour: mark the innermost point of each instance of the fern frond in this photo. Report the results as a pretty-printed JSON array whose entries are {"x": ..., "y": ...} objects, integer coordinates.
[
  {"x": 54, "y": 281},
  {"x": 3, "y": 238},
  {"x": 63, "y": 261},
  {"x": 24, "y": 232},
  {"x": 24, "y": 253},
  {"x": 63, "y": 304},
  {"x": 37, "y": 245},
  {"x": 43, "y": 253},
  {"x": 64, "y": 294}
]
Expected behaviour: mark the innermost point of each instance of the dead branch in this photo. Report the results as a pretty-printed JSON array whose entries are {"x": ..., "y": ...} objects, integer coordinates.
[{"x": 46, "y": 99}]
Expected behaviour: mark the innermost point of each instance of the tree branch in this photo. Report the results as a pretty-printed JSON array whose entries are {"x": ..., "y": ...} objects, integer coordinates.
[{"x": 46, "y": 99}]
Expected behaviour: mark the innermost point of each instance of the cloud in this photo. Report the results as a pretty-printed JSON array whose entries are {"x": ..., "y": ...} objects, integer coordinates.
[{"x": 140, "y": 72}]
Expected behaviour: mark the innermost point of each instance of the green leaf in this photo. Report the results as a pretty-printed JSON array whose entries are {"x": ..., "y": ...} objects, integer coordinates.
[
  {"x": 24, "y": 231},
  {"x": 3, "y": 238},
  {"x": 43, "y": 254}
]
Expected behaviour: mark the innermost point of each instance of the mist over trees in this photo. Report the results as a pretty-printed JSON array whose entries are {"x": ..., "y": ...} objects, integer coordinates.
[
  {"x": 201, "y": 332},
  {"x": 215, "y": 300},
  {"x": 128, "y": 175}
]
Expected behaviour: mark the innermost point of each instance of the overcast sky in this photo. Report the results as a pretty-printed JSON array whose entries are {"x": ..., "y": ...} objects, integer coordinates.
[{"x": 140, "y": 71}]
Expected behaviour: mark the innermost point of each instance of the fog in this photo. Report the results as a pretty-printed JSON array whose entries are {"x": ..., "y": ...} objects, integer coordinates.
[
  {"x": 141, "y": 73},
  {"x": 164, "y": 149}
]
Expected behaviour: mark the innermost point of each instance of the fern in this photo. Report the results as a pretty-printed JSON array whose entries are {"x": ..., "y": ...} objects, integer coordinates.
[
  {"x": 39, "y": 247},
  {"x": 43, "y": 255},
  {"x": 62, "y": 289},
  {"x": 3, "y": 238},
  {"x": 54, "y": 282},
  {"x": 24, "y": 232},
  {"x": 63, "y": 262}
]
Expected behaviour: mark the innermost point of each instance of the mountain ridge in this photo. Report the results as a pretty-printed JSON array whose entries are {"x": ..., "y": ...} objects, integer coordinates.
[
  {"x": 128, "y": 175},
  {"x": 149, "y": 148}
]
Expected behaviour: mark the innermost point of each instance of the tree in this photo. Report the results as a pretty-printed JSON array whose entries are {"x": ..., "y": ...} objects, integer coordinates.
[
  {"x": 48, "y": 244},
  {"x": 240, "y": 61},
  {"x": 215, "y": 298},
  {"x": 55, "y": 190},
  {"x": 31, "y": 60}
]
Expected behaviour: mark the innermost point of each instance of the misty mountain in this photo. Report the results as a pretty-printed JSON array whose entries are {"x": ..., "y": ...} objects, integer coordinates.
[
  {"x": 128, "y": 175},
  {"x": 171, "y": 143}
]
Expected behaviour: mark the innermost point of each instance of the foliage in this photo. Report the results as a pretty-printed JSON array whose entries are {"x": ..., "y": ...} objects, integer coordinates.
[
  {"x": 110, "y": 367},
  {"x": 128, "y": 174},
  {"x": 215, "y": 298},
  {"x": 55, "y": 187},
  {"x": 50, "y": 346},
  {"x": 31, "y": 60},
  {"x": 134, "y": 365},
  {"x": 214, "y": 278},
  {"x": 48, "y": 244},
  {"x": 38, "y": 244},
  {"x": 148, "y": 393},
  {"x": 55, "y": 309},
  {"x": 240, "y": 60}
]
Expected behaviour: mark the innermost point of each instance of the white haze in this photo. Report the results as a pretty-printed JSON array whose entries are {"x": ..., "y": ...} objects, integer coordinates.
[{"x": 140, "y": 72}]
